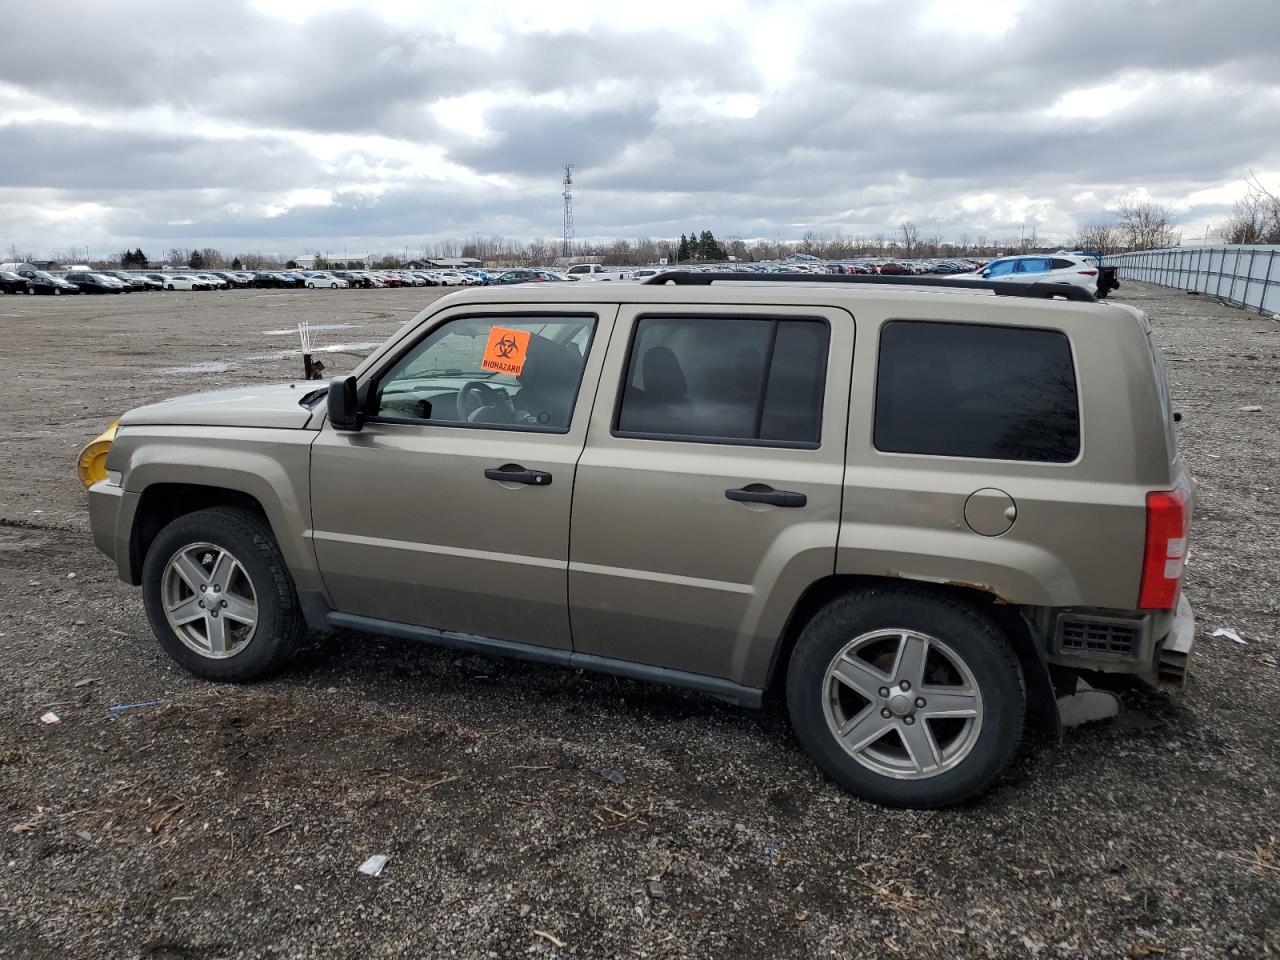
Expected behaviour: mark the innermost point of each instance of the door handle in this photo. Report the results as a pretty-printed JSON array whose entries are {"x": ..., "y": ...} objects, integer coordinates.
[
  {"x": 763, "y": 493},
  {"x": 514, "y": 473}
]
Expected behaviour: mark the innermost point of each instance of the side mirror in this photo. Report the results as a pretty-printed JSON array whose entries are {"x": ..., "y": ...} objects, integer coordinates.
[{"x": 344, "y": 404}]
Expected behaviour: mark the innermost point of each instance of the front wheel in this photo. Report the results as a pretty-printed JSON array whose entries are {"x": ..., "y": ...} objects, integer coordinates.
[
  {"x": 219, "y": 596},
  {"x": 906, "y": 698},
  {"x": 57, "y": 291}
]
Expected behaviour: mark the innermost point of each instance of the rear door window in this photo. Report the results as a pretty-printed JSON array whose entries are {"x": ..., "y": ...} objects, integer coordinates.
[
  {"x": 971, "y": 390},
  {"x": 1033, "y": 265},
  {"x": 750, "y": 380}
]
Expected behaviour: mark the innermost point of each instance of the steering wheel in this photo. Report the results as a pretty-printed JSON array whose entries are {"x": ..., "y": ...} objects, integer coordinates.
[{"x": 480, "y": 403}]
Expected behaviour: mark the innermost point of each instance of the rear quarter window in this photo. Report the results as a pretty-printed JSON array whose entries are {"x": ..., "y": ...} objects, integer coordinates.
[{"x": 972, "y": 390}]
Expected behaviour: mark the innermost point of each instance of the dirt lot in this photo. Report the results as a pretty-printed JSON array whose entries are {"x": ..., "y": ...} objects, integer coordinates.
[{"x": 230, "y": 821}]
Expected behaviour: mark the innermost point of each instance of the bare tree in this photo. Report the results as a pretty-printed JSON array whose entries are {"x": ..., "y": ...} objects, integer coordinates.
[
  {"x": 1147, "y": 226},
  {"x": 1100, "y": 237},
  {"x": 1256, "y": 216},
  {"x": 910, "y": 237}
]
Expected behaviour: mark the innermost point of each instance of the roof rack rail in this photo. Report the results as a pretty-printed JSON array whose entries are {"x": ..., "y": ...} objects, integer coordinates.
[{"x": 1041, "y": 291}]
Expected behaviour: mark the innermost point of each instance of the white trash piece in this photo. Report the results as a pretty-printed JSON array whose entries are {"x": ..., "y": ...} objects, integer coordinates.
[
  {"x": 50, "y": 717},
  {"x": 373, "y": 866},
  {"x": 1230, "y": 634}
]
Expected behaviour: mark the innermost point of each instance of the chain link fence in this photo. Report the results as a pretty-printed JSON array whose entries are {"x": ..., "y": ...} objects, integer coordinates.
[{"x": 1248, "y": 276}]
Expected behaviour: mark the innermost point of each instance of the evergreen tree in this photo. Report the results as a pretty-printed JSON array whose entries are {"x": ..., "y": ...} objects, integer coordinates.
[
  {"x": 710, "y": 247},
  {"x": 196, "y": 262},
  {"x": 236, "y": 264},
  {"x": 140, "y": 259},
  {"x": 695, "y": 251},
  {"x": 682, "y": 252}
]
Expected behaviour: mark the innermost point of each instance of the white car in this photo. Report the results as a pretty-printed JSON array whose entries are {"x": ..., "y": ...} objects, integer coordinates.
[
  {"x": 174, "y": 281},
  {"x": 319, "y": 278},
  {"x": 215, "y": 283},
  {"x": 1040, "y": 268}
]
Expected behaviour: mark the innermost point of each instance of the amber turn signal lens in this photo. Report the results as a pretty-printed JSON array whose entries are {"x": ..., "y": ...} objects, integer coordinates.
[{"x": 92, "y": 462}]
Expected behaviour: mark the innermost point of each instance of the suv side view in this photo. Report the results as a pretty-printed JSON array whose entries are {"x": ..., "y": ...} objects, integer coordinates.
[{"x": 917, "y": 507}]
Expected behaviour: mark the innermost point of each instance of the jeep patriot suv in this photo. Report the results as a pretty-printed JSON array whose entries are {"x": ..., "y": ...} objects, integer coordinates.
[{"x": 918, "y": 508}]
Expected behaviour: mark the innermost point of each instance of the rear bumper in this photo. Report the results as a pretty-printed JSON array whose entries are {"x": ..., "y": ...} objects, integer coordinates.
[{"x": 1173, "y": 652}]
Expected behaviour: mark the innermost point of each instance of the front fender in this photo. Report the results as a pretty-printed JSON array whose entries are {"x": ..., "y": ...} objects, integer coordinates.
[{"x": 269, "y": 465}]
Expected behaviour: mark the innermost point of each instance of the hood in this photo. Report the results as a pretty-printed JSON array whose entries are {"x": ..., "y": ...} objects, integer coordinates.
[{"x": 270, "y": 405}]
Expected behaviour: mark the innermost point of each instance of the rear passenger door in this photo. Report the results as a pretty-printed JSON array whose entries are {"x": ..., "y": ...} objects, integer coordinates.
[{"x": 708, "y": 494}]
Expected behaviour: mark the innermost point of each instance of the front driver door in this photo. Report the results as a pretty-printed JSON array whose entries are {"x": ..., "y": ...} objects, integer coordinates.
[{"x": 450, "y": 508}]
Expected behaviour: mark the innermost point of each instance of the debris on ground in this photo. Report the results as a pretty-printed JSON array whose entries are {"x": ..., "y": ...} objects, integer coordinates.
[
  {"x": 50, "y": 717},
  {"x": 613, "y": 776},
  {"x": 122, "y": 707},
  {"x": 1230, "y": 634},
  {"x": 549, "y": 937},
  {"x": 373, "y": 866}
]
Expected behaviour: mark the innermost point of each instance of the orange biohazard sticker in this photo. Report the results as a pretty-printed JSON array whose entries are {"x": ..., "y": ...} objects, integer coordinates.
[{"x": 506, "y": 351}]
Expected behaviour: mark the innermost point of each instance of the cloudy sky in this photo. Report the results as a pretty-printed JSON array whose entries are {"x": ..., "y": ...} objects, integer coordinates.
[{"x": 295, "y": 125}]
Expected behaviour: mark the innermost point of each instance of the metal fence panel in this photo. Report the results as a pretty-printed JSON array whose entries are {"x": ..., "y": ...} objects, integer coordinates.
[{"x": 1248, "y": 276}]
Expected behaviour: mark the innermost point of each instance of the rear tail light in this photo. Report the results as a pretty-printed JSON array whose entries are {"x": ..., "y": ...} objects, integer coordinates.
[
  {"x": 1088, "y": 273},
  {"x": 1166, "y": 549}
]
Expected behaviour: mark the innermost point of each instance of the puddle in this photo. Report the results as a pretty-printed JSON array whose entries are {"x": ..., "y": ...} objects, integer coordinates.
[
  {"x": 348, "y": 347},
  {"x": 206, "y": 366},
  {"x": 293, "y": 331},
  {"x": 327, "y": 348}
]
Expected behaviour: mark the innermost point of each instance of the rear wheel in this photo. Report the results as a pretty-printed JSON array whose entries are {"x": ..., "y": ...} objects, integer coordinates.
[
  {"x": 906, "y": 698},
  {"x": 219, "y": 596},
  {"x": 57, "y": 291}
]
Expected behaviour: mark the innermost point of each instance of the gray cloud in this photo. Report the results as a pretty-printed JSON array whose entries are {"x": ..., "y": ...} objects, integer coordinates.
[{"x": 190, "y": 125}]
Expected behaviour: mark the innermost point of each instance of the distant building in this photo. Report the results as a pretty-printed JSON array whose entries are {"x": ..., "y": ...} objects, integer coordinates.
[{"x": 304, "y": 263}]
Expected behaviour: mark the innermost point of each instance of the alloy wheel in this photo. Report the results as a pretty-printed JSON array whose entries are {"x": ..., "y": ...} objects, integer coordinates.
[
  {"x": 902, "y": 704},
  {"x": 209, "y": 600}
]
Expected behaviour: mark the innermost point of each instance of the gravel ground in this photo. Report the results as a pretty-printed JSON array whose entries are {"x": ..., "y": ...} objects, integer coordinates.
[{"x": 533, "y": 811}]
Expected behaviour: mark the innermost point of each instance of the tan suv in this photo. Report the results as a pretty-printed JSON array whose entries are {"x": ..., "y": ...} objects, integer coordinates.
[{"x": 917, "y": 508}]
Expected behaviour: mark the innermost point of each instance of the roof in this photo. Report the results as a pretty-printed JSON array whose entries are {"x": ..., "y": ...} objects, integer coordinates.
[{"x": 818, "y": 292}]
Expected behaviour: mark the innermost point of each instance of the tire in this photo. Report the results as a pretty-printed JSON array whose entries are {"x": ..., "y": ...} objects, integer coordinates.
[
  {"x": 168, "y": 286},
  {"x": 870, "y": 629},
  {"x": 333, "y": 286},
  {"x": 57, "y": 291},
  {"x": 250, "y": 652},
  {"x": 311, "y": 286}
]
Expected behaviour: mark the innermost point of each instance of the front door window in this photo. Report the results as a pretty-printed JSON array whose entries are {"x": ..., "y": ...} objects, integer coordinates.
[{"x": 517, "y": 372}]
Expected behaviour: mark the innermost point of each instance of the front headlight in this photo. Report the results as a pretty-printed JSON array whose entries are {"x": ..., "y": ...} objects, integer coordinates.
[{"x": 92, "y": 462}]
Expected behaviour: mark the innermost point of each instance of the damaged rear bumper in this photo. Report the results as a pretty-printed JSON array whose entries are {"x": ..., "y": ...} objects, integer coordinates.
[{"x": 1173, "y": 654}]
